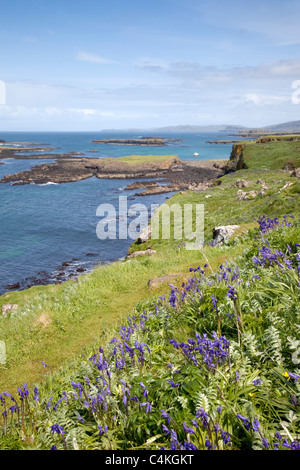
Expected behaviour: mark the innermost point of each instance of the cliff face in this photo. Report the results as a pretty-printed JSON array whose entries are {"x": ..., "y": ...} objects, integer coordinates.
[{"x": 236, "y": 161}]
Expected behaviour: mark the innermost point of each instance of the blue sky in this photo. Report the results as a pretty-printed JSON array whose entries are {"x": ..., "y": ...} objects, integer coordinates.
[{"x": 92, "y": 65}]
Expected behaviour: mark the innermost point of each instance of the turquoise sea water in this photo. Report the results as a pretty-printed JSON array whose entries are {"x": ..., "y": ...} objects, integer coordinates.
[{"x": 42, "y": 226}]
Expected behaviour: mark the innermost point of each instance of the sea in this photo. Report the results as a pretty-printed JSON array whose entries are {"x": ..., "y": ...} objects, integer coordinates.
[{"x": 44, "y": 226}]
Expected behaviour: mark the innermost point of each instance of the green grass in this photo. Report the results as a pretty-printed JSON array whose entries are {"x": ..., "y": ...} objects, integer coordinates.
[
  {"x": 272, "y": 155},
  {"x": 141, "y": 159},
  {"x": 56, "y": 323}
]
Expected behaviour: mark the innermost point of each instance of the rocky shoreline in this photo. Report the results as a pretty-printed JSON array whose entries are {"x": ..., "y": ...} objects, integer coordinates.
[
  {"x": 182, "y": 175},
  {"x": 68, "y": 270}
]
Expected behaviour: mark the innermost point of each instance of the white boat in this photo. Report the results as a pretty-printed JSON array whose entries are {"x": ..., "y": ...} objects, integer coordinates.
[{"x": 196, "y": 154}]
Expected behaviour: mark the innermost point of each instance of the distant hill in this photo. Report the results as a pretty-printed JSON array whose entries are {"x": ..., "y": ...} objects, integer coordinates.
[
  {"x": 184, "y": 128},
  {"x": 292, "y": 126},
  {"x": 286, "y": 127},
  {"x": 211, "y": 128}
]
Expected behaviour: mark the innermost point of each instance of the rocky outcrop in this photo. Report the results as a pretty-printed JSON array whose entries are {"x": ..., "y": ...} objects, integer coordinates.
[
  {"x": 141, "y": 184},
  {"x": 243, "y": 196},
  {"x": 240, "y": 183},
  {"x": 183, "y": 175},
  {"x": 296, "y": 172},
  {"x": 147, "y": 252},
  {"x": 223, "y": 233},
  {"x": 145, "y": 234},
  {"x": 236, "y": 161}
]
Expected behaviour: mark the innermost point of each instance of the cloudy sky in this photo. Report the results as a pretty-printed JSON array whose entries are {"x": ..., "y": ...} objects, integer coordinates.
[{"x": 103, "y": 64}]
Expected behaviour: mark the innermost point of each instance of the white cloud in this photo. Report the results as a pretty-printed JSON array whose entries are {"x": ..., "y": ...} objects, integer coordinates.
[{"x": 87, "y": 57}]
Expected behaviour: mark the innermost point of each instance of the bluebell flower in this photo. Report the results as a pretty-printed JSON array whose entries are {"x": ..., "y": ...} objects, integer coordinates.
[
  {"x": 57, "y": 428},
  {"x": 102, "y": 430},
  {"x": 187, "y": 429}
]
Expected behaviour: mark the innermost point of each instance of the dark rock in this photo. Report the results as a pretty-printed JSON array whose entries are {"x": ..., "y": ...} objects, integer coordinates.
[{"x": 13, "y": 286}]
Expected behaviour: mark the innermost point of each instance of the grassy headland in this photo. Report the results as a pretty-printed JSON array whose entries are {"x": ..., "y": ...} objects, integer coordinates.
[{"x": 57, "y": 329}]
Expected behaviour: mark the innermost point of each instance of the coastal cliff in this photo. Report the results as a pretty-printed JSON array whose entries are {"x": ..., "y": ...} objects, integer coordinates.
[{"x": 236, "y": 159}]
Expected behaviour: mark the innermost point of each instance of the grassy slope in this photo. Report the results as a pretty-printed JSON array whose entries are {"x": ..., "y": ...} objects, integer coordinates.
[
  {"x": 56, "y": 323},
  {"x": 275, "y": 154}
]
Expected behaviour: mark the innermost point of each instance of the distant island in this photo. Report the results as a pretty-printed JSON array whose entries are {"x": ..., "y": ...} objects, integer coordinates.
[{"x": 143, "y": 141}]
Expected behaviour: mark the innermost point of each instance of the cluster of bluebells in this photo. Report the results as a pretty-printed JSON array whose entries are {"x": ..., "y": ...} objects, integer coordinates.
[
  {"x": 266, "y": 257},
  {"x": 201, "y": 426},
  {"x": 203, "y": 350},
  {"x": 266, "y": 224},
  {"x": 280, "y": 444}
]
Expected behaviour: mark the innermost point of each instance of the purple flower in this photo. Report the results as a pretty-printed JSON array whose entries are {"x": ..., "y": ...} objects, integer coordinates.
[
  {"x": 256, "y": 382},
  {"x": 165, "y": 429},
  {"x": 215, "y": 302},
  {"x": 102, "y": 430},
  {"x": 232, "y": 293},
  {"x": 208, "y": 443},
  {"x": 148, "y": 406},
  {"x": 204, "y": 417},
  {"x": 265, "y": 442},
  {"x": 187, "y": 429},
  {"x": 57, "y": 428},
  {"x": 165, "y": 415},
  {"x": 246, "y": 422},
  {"x": 256, "y": 425},
  {"x": 36, "y": 395},
  {"x": 294, "y": 376}
]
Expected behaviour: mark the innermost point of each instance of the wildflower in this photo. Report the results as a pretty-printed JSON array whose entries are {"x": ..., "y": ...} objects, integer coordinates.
[
  {"x": 295, "y": 445},
  {"x": 36, "y": 395},
  {"x": 144, "y": 388},
  {"x": 147, "y": 405},
  {"x": 215, "y": 302},
  {"x": 255, "y": 425},
  {"x": 165, "y": 415},
  {"x": 102, "y": 430},
  {"x": 80, "y": 418},
  {"x": 189, "y": 446},
  {"x": 57, "y": 428},
  {"x": 23, "y": 393},
  {"x": 208, "y": 443},
  {"x": 246, "y": 422},
  {"x": 226, "y": 437},
  {"x": 204, "y": 417},
  {"x": 265, "y": 442},
  {"x": 187, "y": 429},
  {"x": 165, "y": 429},
  {"x": 256, "y": 382},
  {"x": 286, "y": 374},
  {"x": 173, "y": 384},
  {"x": 296, "y": 377},
  {"x": 174, "y": 441},
  {"x": 232, "y": 293}
]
